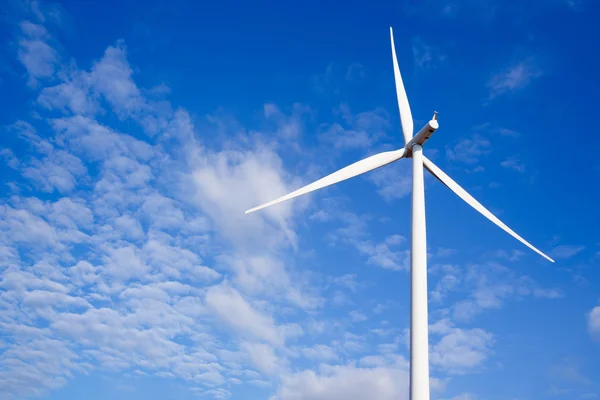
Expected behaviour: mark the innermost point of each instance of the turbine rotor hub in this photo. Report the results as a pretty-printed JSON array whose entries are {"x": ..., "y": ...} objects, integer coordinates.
[{"x": 423, "y": 135}]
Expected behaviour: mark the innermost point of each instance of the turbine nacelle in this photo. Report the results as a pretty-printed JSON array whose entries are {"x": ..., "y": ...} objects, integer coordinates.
[{"x": 423, "y": 135}]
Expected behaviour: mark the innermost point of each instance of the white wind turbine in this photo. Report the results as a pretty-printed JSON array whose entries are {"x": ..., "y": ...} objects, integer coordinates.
[{"x": 419, "y": 335}]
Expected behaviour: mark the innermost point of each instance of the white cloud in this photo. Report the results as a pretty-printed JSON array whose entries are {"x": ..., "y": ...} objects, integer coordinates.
[
  {"x": 344, "y": 382},
  {"x": 349, "y": 281},
  {"x": 30, "y": 367},
  {"x": 120, "y": 299},
  {"x": 54, "y": 169},
  {"x": 384, "y": 255},
  {"x": 135, "y": 255},
  {"x": 129, "y": 227},
  {"x": 491, "y": 285},
  {"x": 450, "y": 281},
  {"x": 38, "y": 57},
  {"x": 73, "y": 95},
  {"x": 264, "y": 357},
  {"x": 112, "y": 78},
  {"x": 355, "y": 227},
  {"x": 235, "y": 311},
  {"x": 125, "y": 263},
  {"x": 426, "y": 56},
  {"x": 469, "y": 150},
  {"x": 514, "y": 164},
  {"x": 355, "y": 72},
  {"x": 515, "y": 77},
  {"x": 257, "y": 174},
  {"x": 593, "y": 320},
  {"x": 357, "y": 316},
  {"x": 569, "y": 370},
  {"x": 356, "y": 130},
  {"x": 342, "y": 138},
  {"x": 288, "y": 128},
  {"x": 41, "y": 298},
  {"x": 336, "y": 78},
  {"x": 21, "y": 226},
  {"x": 320, "y": 352},
  {"x": 461, "y": 350},
  {"x": 565, "y": 251},
  {"x": 332, "y": 382},
  {"x": 393, "y": 181}
]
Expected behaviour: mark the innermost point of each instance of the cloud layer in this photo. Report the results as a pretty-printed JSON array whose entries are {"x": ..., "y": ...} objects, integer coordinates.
[{"x": 124, "y": 247}]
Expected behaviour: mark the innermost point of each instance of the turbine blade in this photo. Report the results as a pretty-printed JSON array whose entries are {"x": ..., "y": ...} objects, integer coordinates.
[
  {"x": 462, "y": 193},
  {"x": 405, "y": 116},
  {"x": 352, "y": 170}
]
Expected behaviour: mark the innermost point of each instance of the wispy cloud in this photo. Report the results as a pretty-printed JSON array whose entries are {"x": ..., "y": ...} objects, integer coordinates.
[
  {"x": 336, "y": 77},
  {"x": 426, "y": 56},
  {"x": 288, "y": 127},
  {"x": 569, "y": 371},
  {"x": 513, "y": 163},
  {"x": 450, "y": 280},
  {"x": 565, "y": 251},
  {"x": 469, "y": 150},
  {"x": 393, "y": 182},
  {"x": 350, "y": 281},
  {"x": 460, "y": 351},
  {"x": 515, "y": 77},
  {"x": 357, "y": 316},
  {"x": 388, "y": 380},
  {"x": 386, "y": 254},
  {"x": 124, "y": 247},
  {"x": 593, "y": 321},
  {"x": 491, "y": 285},
  {"x": 121, "y": 249},
  {"x": 355, "y": 72},
  {"x": 489, "y": 128},
  {"x": 39, "y": 58},
  {"x": 355, "y": 131}
]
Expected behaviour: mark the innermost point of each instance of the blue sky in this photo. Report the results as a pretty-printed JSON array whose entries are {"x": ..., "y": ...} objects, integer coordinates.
[{"x": 134, "y": 136}]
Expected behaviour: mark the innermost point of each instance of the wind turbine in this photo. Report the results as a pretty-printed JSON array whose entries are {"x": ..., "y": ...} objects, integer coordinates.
[{"x": 419, "y": 334}]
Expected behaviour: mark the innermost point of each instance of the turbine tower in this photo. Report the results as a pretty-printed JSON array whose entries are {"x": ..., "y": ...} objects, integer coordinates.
[{"x": 419, "y": 334}]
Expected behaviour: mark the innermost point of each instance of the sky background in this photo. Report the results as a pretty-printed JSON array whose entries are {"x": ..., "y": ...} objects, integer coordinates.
[{"x": 135, "y": 134}]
